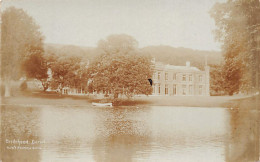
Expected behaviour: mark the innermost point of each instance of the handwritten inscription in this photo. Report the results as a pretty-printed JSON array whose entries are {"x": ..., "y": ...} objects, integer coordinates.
[{"x": 17, "y": 144}]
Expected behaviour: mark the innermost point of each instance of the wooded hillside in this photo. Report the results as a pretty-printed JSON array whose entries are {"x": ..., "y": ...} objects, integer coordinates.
[
  {"x": 179, "y": 56},
  {"x": 165, "y": 54}
]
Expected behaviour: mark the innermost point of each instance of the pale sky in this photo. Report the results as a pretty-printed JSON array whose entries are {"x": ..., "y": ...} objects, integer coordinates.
[{"x": 177, "y": 23}]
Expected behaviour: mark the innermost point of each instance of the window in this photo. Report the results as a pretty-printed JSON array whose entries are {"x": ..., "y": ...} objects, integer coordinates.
[
  {"x": 166, "y": 89},
  {"x": 183, "y": 77},
  {"x": 153, "y": 89},
  {"x": 190, "y": 77},
  {"x": 183, "y": 89},
  {"x": 159, "y": 75},
  {"x": 166, "y": 76},
  {"x": 200, "y": 78},
  {"x": 190, "y": 89},
  {"x": 159, "y": 89},
  {"x": 174, "y": 76},
  {"x": 174, "y": 89},
  {"x": 200, "y": 90}
]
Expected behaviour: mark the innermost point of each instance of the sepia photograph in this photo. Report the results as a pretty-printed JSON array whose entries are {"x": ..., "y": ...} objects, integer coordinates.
[{"x": 130, "y": 81}]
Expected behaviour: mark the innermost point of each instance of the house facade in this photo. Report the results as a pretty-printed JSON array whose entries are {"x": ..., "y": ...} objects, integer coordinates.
[{"x": 170, "y": 80}]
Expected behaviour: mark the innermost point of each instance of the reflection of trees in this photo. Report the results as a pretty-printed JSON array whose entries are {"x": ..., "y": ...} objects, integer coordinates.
[
  {"x": 121, "y": 138},
  {"x": 244, "y": 137},
  {"x": 18, "y": 123}
]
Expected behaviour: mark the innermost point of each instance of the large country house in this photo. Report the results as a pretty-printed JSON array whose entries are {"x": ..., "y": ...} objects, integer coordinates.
[{"x": 170, "y": 80}]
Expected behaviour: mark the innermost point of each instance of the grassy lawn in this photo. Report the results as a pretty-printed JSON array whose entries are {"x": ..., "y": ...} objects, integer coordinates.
[
  {"x": 45, "y": 99},
  {"x": 188, "y": 101},
  {"x": 192, "y": 101}
]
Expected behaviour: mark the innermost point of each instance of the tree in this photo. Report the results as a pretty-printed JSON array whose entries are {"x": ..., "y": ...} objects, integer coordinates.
[
  {"x": 35, "y": 66},
  {"x": 67, "y": 71},
  {"x": 217, "y": 81},
  {"x": 236, "y": 26},
  {"x": 118, "y": 44},
  {"x": 20, "y": 38},
  {"x": 120, "y": 69}
]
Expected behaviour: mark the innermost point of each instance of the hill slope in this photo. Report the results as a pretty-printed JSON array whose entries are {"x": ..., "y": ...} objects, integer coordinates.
[
  {"x": 179, "y": 56},
  {"x": 166, "y": 54}
]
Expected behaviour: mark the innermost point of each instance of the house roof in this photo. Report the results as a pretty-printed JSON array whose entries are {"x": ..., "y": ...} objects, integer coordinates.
[{"x": 159, "y": 65}]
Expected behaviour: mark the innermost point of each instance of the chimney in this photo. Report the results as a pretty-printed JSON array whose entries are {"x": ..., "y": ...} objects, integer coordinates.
[
  {"x": 153, "y": 60},
  {"x": 187, "y": 64},
  {"x": 206, "y": 60}
]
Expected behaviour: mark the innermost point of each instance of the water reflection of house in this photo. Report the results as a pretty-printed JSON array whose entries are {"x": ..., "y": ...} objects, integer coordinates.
[{"x": 180, "y": 80}]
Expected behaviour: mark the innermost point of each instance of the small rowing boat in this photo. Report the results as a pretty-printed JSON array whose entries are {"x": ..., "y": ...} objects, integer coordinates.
[{"x": 101, "y": 104}]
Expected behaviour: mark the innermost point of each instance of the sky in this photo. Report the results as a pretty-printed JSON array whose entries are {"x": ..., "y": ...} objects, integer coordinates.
[{"x": 177, "y": 23}]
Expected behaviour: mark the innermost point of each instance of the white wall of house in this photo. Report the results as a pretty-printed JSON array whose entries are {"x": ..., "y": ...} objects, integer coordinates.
[{"x": 180, "y": 80}]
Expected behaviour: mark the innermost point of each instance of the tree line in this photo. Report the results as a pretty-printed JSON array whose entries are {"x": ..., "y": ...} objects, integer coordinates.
[{"x": 118, "y": 68}]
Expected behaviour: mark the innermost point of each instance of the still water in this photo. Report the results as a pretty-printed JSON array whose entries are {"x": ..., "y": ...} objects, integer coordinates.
[{"x": 148, "y": 133}]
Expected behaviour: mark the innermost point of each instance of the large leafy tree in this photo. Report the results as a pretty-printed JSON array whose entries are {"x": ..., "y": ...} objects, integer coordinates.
[
  {"x": 21, "y": 41},
  {"x": 120, "y": 68},
  {"x": 237, "y": 26},
  {"x": 217, "y": 82},
  {"x": 67, "y": 71},
  {"x": 35, "y": 66}
]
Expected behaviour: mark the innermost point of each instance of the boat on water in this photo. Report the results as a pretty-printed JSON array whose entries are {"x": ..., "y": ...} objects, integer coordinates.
[{"x": 101, "y": 104}]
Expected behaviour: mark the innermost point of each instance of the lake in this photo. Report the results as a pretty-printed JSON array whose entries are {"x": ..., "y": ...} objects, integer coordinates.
[{"x": 148, "y": 133}]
